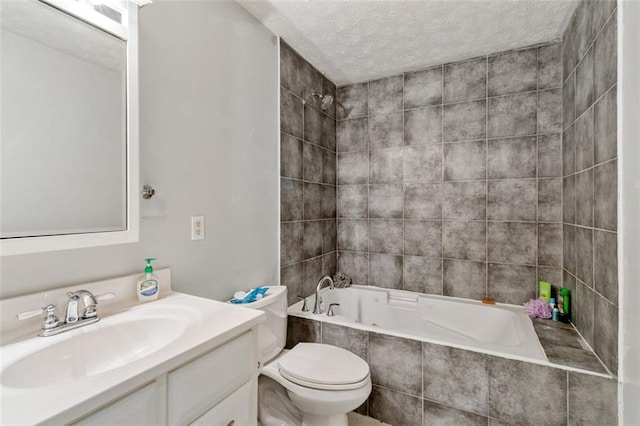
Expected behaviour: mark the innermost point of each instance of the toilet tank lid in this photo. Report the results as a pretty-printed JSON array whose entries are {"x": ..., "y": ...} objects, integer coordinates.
[{"x": 273, "y": 292}]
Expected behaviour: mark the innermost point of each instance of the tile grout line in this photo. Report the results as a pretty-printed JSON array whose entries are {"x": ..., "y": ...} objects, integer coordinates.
[
  {"x": 486, "y": 175},
  {"x": 442, "y": 170}
]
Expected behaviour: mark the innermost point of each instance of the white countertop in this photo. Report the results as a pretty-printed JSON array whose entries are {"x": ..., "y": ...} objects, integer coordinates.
[{"x": 211, "y": 323}]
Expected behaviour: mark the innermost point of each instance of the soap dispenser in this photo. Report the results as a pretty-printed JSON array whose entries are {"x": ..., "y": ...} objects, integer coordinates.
[{"x": 148, "y": 285}]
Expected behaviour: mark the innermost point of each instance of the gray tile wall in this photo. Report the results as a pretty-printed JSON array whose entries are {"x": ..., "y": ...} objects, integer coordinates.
[
  {"x": 450, "y": 179},
  {"x": 308, "y": 176},
  {"x": 590, "y": 174},
  {"x": 418, "y": 383}
]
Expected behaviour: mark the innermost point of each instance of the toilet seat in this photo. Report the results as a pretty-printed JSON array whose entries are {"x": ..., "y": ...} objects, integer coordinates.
[{"x": 324, "y": 367}]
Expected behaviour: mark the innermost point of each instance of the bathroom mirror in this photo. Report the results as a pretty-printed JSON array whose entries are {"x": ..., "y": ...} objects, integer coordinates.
[{"x": 68, "y": 125}]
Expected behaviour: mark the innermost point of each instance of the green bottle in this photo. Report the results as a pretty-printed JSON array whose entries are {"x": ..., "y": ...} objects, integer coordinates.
[{"x": 564, "y": 304}]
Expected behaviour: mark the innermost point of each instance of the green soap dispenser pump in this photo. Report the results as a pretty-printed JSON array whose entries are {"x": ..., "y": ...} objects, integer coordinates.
[{"x": 148, "y": 285}]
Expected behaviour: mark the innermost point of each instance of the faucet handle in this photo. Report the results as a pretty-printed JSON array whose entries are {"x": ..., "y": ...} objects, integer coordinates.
[
  {"x": 50, "y": 321},
  {"x": 305, "y": 308},
  {"x": 330, "y": 310},
  {"x": 30, "y": 314}
]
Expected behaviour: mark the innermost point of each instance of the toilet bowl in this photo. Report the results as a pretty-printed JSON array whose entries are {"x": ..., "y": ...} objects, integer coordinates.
[{"x": 312, "y": 384}]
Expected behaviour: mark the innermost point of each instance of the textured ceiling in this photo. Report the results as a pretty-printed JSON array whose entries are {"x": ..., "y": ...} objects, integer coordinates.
[{"x": 357, "y": 40}]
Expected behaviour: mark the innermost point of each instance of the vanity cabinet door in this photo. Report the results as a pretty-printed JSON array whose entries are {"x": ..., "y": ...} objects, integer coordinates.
[
  {"x": 137, "y": 408},
  {"x": 234, "y": 410},
  {"x": 201, "y": 384}
]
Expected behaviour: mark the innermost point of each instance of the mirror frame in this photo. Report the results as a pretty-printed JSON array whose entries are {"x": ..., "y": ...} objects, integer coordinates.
[{"x": 129, "y": 33}]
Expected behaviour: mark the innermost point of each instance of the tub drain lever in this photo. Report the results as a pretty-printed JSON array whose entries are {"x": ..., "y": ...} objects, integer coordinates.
[{"x": 330, "y": 310}]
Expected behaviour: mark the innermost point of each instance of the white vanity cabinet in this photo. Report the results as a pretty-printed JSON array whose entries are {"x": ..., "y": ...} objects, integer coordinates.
[{"x": 218, "y": 387}]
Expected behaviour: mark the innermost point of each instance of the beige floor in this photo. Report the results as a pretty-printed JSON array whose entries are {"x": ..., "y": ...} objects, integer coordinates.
[{"x": 356, "y": 419}]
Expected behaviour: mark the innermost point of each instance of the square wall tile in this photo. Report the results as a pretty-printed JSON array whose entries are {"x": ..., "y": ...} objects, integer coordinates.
[
  {"x": 423, "y": 163},
  {"x": 550, "y": 200},
  {"x": 521, "y": 401},
  {"x": 312, "y": 197},
  {"x": 312, "y": 273},
  {"x": 352, "y": 101},
  {"x": 386, "y": 130},
  {"x": 302, "y": 330},
  {"x": 455, "y": 377},
  {"x": 356, "y": 265},
  {"x": 512, "y": 242},
  {"x": 312, "y": 157},
  {"x": 328, "y": 202},
  {"x": 353, "y": 235},
  {"x": 385, "y": 165},
  {"x": 352, "y": 201},
  {"x": 465, "y": 160},
  {"x": 569, "y": 151},
  {"x": 291, "y": 69},
  {"x": 569, "y": 49},
  {"x": 511, "y": 283},
  {"x": 312, "y": 239},
  {"x": 291, "y": 108},
  {"x": 583, "y": 27},
  {"x": 329, "y": 163},
  {"x": 385, "y": 270},
  {"x": 584, "y": 311},
  {"x": 291, "y": 234},
  {"x": 550, "y": 66},
  {"x": 569, "y": 199},
  {"x": 312, "y": 125},
  {"x": 351, "y": 339},
  {"x": 391, "y": 406},
  {"x": 584, "y": 140},
  {"x": 423, "y": 238},
  {"x": 385, "y": 236},
  {"x": 422, "y": 274},
  {"x": 464, "y": 121},
  {"x": 353, "y": 135},
  {"x": 550, "y": 155},
  {"x": 550, "y": 244},
  {"x": 463, "y": 278},
  {"x": 550, "y": 111},
  {"x": 437, "y": 414},
  {"x": 385, "y": 201},
  {"x": 592, "y": 400},
  {"x": 569, "y": 248},
  {"x": 605, "y": 264},
  {"x": 606, "y": 127},
  {"x": 513, "y": 115},
  {"x": 464, "y": 200},
  {"x": 513, "y": 72},
  {"x": 606, "y": 196},
  {"x": 569, "y": 101},
  {"x": 395, "y": 362},
  {"x": 353, "y": 168},
  {"x": 605, "y": 333},
  {"x": 422, "y": 201},
  {"x": 311, "y": 82},
  {"x": 512, "y": 200},
  {"x": 290, "y": 156},
  {"x": 330, "y": 236},
  {"x": 423, "y": 88},
  {"x": 465, "y": 81},
  {"x": 423, "y": 126},
  {"x": 385, "y": 95},
  {"x": 606, "y": 58},
  {"x": 584, "y": 255},
  {"x": 512, "y": 158},
  {"x": 584, "y": 84},
  {"x": 329, "y": 264},
  {"x": 290, "y": 199},
  {"x": 584, "y": 198},
  {"x": 328, "y": 133},
  {"x": 292, "y": 277},
  {"x": 464, "y": 240}
]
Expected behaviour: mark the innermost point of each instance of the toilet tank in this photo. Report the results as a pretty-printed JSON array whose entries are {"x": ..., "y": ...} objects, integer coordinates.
[{"x": 273, "y": 332}]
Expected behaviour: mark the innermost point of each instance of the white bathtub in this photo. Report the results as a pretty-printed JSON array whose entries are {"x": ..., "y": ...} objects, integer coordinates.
[{"x": 501, "y": 329}]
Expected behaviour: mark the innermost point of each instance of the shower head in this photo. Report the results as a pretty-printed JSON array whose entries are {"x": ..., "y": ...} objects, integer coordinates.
[{"x": 325, "y": 100}]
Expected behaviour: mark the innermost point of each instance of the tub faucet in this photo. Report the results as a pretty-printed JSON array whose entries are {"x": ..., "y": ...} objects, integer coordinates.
[{"x": 317, "y": 307}]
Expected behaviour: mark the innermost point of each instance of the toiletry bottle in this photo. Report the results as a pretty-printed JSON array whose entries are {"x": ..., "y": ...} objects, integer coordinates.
[
  {"x": 148, "y": 285},
  {"x": 564, "y": 305},
  {"x": 554, "y": 309},
  {"x": 544, "y": 290}
]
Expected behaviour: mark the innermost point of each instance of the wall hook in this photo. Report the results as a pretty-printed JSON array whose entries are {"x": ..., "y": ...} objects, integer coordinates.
[{"x": 148, "y": 192}]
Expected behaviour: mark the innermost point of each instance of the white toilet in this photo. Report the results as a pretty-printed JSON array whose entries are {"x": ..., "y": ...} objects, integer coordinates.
[{"x": 311, "y": 384}]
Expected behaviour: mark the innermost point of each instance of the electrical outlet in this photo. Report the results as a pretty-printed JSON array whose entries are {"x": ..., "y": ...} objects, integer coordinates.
[{"x": 197, "y": 228}]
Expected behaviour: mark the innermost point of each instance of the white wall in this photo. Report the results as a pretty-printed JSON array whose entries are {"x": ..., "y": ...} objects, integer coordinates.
[
  {"x": 208, "y": 144},
  {"x": 629, "y": 208}
]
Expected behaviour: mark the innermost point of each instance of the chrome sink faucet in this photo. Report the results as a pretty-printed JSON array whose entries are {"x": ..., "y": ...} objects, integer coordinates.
[
  {"x": 317, "y": 307},
  {"x": 72, "y": 317}
]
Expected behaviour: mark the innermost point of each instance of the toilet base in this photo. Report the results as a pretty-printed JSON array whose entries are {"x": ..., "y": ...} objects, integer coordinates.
[{"x": 315, "y": 420}]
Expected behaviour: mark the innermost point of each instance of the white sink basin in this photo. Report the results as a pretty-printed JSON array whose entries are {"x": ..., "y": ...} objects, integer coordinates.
[{"x": 95, "y": 349}]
